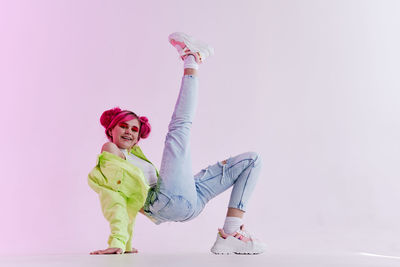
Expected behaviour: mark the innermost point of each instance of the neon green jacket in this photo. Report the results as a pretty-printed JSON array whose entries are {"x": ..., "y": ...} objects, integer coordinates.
[{"x": 122, "y": 190}]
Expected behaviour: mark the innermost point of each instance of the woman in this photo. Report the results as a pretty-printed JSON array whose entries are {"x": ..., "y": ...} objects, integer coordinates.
[{"x": 128, "y": 183}]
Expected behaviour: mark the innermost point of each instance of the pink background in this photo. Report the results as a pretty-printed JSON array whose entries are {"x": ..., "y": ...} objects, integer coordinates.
[{"x": 313, "y": 86}]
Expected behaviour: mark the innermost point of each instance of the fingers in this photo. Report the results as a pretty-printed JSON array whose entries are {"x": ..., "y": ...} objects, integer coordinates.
[
  {"x": 134, "y": 250},
  {"x": 107, "y": 251}
]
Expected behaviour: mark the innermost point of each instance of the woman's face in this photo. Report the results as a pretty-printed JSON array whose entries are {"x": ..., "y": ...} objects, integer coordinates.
[{"x": 125, "y": 134}]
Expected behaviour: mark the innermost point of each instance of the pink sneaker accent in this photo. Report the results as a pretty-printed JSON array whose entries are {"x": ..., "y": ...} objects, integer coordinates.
[
  {"x": 187, "y": 45},
  {"x": 239, "y": 242},
  {"x": 237, "y": 235}
]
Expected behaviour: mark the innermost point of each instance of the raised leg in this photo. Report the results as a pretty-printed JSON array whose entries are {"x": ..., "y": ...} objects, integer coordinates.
[
  {"x": 175, "y": 195},
  {"x": 176, "y": 165}
]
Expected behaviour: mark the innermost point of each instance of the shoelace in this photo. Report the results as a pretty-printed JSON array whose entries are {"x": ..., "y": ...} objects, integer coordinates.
[
  {"x": 239, "y": 234},
  {"x": 244, "y": 233}
]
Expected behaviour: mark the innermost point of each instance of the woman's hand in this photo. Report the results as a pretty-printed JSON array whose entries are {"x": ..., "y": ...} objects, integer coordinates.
[{"x": 112, "y": 251}]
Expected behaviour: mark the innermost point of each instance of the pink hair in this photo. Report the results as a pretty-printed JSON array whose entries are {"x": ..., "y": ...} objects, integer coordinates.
[{"x": 110, "y": 118}]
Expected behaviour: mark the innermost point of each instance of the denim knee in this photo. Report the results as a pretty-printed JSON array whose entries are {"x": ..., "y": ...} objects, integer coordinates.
[{"x": 254, "y": 157}]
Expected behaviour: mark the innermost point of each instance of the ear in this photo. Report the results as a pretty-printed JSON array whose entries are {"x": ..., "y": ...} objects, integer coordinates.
[{"x": 110, "y": 133}]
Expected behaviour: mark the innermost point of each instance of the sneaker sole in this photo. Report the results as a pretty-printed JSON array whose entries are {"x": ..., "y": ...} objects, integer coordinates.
[
  {"x": 226, "y": 252},
  {"x": 236, "y": 253}
]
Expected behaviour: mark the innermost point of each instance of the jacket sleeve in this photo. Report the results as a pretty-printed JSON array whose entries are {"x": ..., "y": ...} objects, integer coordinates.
[
  {"x": 122, "y": 192},
  {"x": 114, "y": 208}
]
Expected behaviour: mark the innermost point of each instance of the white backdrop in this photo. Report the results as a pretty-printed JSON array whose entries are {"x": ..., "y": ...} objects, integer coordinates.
[{"x": 313, "y": 86}]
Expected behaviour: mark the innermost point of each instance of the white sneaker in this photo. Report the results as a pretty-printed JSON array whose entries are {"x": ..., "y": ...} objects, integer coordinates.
[
  {"x": 239, "y": 242},
  {"x": 188, "y": 45}
]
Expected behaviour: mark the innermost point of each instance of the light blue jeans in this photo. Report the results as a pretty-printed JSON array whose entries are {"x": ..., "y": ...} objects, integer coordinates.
[{"x": 178, "y": 195}]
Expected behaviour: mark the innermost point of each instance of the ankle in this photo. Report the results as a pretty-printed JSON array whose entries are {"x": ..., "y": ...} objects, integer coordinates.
[
  {"x": 190, "y": 71},
  {"x": 190, "y": 62},
  {"x": 232, "y": 224}
]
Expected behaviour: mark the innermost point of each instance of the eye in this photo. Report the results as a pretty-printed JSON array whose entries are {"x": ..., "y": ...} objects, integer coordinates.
[
  {"x": 135, "y": 129},
  {"x": 123, "y": 126}
]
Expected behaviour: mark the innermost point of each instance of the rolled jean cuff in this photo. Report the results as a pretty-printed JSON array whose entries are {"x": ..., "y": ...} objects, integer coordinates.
[
  {"x": 190, "y": 76},
  {"x": 239, "y": 206}
]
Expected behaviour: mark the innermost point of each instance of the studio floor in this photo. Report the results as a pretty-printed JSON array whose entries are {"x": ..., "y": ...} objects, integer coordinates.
[{"x": 202, "y": 260}]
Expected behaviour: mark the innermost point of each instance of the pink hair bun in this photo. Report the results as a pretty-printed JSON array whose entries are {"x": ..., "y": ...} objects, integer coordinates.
[
  {"x": 145, "y": 127},
  {"x": 108, "y": 116}
]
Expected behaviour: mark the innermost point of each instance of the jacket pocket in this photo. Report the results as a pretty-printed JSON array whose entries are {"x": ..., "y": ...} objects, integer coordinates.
[{"x": 113, "y": 175}]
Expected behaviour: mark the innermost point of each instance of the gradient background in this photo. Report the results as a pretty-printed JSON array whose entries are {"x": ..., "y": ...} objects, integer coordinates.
[{"x": 313, "y": 86}]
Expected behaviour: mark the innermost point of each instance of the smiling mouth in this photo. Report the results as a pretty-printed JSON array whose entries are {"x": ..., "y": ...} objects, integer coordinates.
[{"x": 126, "y": 138}]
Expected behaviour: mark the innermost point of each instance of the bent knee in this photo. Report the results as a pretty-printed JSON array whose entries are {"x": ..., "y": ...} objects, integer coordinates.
[{"x": 254, "y": 157}]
